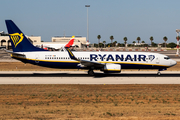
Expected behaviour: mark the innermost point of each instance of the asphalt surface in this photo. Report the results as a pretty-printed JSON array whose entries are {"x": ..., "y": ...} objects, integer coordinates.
[{"x": 80, "y": 77}]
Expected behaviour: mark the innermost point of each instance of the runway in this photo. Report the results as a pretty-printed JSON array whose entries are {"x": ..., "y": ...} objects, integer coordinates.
[{"x": 81, "y": 77}]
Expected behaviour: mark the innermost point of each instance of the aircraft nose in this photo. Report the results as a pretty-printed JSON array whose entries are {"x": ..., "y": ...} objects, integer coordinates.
[{"x": 173, "y": 62}]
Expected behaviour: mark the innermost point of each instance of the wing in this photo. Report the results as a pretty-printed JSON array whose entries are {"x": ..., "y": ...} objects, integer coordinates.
[
  {"x": 85, "y": 63},
  {"x": 91, "y": 64}
]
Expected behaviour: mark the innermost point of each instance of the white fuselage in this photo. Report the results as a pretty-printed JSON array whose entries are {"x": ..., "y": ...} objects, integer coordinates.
[{"x": 128, "y": 60}]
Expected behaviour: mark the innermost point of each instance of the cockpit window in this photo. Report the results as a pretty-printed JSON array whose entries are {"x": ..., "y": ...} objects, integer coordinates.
[{"x": 167, "y": 58}]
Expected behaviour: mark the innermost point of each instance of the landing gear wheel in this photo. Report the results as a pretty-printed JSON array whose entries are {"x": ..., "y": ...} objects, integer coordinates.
[
  {"x": 91, "y": 72},
  {"x": 158, "y": 73}
]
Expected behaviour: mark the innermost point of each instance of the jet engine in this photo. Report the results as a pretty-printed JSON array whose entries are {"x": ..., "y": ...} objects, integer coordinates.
[{"x": 112, "y": 68}]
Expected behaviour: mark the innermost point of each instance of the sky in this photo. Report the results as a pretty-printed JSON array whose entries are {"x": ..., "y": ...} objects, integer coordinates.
[{"x": 119, "y": 18}]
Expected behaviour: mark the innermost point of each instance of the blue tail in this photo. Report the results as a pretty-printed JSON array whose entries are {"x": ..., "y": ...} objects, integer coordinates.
[{"x": 18, "y": 40}]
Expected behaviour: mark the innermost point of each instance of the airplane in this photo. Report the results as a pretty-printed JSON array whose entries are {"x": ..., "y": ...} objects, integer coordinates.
[
  {"x": 107, "y": 62},
  {"x": 56, "y": 46},
  {"x": 2, "y": 47}
]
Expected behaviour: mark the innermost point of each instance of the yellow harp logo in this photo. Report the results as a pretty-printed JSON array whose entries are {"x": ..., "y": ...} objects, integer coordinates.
[{"x": 16, "y": 38}]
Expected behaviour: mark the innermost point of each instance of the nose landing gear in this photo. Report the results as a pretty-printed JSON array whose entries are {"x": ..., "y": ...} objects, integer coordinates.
[{"x": 158, "y": 73}]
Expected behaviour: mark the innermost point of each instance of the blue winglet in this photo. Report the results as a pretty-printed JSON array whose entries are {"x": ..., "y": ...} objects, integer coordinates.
[{"x": 71, "y": 54}]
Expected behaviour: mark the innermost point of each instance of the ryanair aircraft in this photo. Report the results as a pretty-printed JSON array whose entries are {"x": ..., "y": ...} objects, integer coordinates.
[{"x": 108, "y": 62}]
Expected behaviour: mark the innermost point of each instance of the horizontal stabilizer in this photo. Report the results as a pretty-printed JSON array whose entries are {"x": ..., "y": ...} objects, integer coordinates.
[{"x": 11, "y": 52}]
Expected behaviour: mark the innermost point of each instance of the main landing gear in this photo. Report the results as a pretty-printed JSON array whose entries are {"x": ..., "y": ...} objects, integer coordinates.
[
  {"x": 91, "y": 72},
  {"x": 158, "y": 73}
]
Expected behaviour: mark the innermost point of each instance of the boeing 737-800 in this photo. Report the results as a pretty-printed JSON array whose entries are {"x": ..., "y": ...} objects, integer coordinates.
[{"x": 108, "y": 62}]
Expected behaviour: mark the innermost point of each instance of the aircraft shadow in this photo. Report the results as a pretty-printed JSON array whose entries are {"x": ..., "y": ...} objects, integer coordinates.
[{"x": 97, "y": 75}]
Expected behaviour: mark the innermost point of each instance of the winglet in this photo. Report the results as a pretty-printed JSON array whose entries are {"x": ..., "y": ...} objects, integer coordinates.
[
  {"x": 70, "y": 43},
  {"x": 71, "y": 54}
]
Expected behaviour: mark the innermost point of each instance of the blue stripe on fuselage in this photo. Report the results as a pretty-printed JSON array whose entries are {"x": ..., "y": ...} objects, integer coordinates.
[
  {"x": 50, "y": 64},
  {"x": 72, "y": 65}
]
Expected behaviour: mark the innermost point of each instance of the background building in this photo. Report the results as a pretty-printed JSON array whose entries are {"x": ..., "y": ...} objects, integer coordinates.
[
  {"x": 79, "y": 41},
  {"x": 4, "y": 40},
  {"x": 58, "y": 41}
]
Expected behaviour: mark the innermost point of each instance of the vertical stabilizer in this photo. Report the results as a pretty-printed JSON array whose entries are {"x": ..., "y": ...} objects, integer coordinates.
[
  {"x": 18, "y": 40},
  {"x": 70, "y": 43}
]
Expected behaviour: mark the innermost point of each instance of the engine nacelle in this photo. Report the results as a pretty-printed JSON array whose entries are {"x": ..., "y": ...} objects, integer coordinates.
[{"x": 112, "y": 68}]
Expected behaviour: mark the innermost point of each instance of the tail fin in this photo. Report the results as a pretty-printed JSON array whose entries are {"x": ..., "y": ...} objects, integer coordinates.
[
  {"x": 18, "y": 40},
  {"x": 70, "y": 43}
]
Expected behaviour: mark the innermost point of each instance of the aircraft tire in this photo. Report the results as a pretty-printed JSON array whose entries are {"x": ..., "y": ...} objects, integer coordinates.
[
  {"x": 159, "y": 73},
  {"x": 91, "y": 72}
]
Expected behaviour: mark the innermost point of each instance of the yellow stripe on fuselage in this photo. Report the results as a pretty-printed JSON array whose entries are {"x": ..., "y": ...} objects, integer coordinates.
[
  {"x": 111, "y": 70},
  {"x": 132, "y": 63},
  {"x": 97, "y": 61}
]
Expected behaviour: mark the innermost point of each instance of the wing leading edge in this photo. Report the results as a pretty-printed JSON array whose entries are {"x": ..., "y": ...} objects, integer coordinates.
[{"x": 86, "y": 63}]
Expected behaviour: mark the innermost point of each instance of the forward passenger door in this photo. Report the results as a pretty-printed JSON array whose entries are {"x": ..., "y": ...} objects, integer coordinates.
[{"x": 157, "y": 59}]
